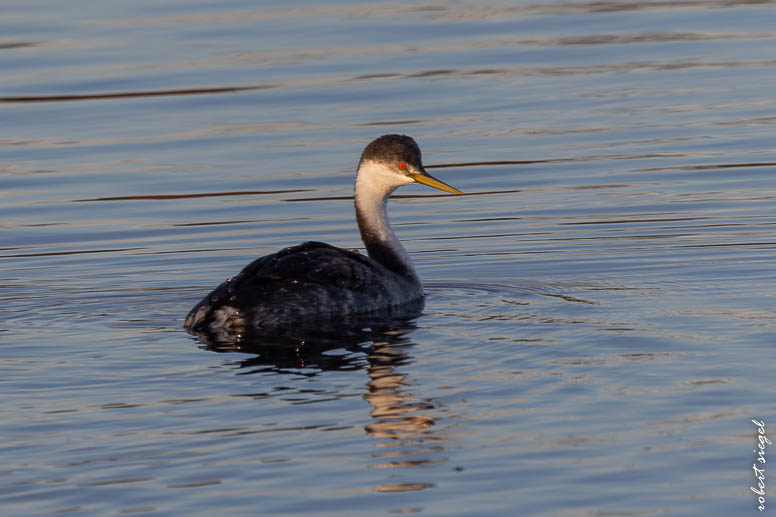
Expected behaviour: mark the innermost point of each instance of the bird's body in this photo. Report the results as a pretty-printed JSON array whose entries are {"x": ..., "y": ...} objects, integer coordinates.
[
  {"x": 314, "y": 282},
  {"x": 302, "y": 285}
]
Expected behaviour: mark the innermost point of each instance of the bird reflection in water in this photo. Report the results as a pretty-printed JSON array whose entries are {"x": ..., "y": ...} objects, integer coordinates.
[
  {"x": 407, "y": 438},
  {"x": 399, "y": 418}
]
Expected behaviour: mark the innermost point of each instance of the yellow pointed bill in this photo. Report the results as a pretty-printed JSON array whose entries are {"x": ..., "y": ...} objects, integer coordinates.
[{"x": 431, "y": 181}]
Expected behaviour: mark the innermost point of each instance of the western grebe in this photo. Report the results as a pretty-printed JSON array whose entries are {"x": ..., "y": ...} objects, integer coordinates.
[{"x": 315, "y": 281}]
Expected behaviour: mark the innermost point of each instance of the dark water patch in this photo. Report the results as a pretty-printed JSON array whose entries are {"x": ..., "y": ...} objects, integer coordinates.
[
  {"x": 190, "y": 196},
  {"x": 711, "y": 166},
  {"x": 16, "y": 44},
  {"x": 119, "y": 95},
  {"x": 599, "y": 305}
]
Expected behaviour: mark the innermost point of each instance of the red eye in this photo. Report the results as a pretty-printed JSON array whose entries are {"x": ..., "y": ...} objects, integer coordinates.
[{"x": 402, "y": 165}]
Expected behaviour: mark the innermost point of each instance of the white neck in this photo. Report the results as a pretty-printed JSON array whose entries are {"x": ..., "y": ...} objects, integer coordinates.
[{"x": 374, "y": 185}]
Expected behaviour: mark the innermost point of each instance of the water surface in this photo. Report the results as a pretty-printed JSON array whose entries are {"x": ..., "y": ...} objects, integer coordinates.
[{"x": 599, "y": 321}]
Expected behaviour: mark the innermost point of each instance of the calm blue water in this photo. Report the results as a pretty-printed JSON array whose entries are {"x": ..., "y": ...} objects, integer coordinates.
[{"x": 599, "y": 326}]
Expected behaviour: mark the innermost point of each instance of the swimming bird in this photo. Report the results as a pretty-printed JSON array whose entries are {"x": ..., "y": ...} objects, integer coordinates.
[{"x": 312, "y": 282}]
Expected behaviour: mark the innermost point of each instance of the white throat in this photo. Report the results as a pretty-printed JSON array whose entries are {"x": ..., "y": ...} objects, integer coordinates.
[{"x": 374, "y": 185}]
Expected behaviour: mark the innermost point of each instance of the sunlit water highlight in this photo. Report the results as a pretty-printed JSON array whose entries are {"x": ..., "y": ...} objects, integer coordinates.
[{"x": 599, "y": 321}]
